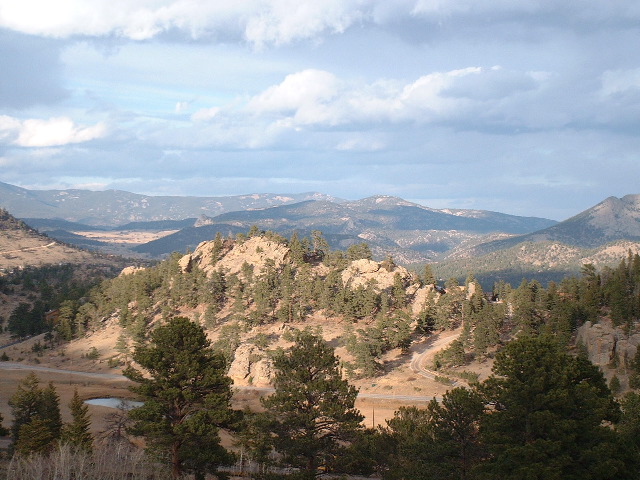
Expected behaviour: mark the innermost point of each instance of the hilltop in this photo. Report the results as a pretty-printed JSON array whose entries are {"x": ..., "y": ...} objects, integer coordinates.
[
  {"x": 22, "y": 246},
  {"x": 600, "y": 235}
]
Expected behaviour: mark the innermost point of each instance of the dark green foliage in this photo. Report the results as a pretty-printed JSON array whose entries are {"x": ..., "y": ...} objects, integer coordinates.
[
  {"x": 428, "y": 278},
  {"x": 614, "y": 385},
  {"x": 312, "y": 407},
  {"x": 358, "y": 251},
  {"x": 187, "y": 398},
  {"x": 441, "y": 441},
  {"x": 26, "y": 320},
  {"x": 35, "y": 437},
  {"x": 390, "y": 330},
  {"x": 319, "y": 245},
  {"x": 228, "y": 341},
  {"x": 77, "y": 432},
  {"x": 629, "y": 425},
  {"x": 37, "y": 422},
  {"x": 3, "y": 430},
  {"x": 549, "y": 414},
  {"x": 451, "y": 356}
]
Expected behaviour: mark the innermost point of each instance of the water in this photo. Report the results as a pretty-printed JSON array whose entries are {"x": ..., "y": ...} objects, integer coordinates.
[{"x": 114, "y": 403}]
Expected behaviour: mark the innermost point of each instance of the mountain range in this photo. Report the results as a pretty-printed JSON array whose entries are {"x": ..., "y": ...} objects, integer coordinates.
[
  {"x": 455, "y": 240},
  {"x": 116, "y": 207}
]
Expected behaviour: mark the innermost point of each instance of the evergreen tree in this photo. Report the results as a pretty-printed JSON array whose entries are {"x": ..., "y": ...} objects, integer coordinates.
[
  {"x": 428, "y": 278},
  {"x": 549, "y": 414},
  {"x": 77, "y": 432},
  {"x": 3, "y": 431},
  {"x": 312, "y": 407},
  {"x": 34, "y": 436},
  {"x": 441, "y": 441},
  {"x": 36, "y": 416},
  {"x": 186, "y": 398},
  {"x": 406, "y": 448},
  {"x": 455, "y": 426},
  {"x": 319, "y": 245}
]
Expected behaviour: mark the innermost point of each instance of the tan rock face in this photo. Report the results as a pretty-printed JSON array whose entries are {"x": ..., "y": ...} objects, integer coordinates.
[
  {"x": 254, "y": 251},
  {"x": 250, "y": 366},
  {"x": 130, "y": 270},
  {"x": 605, "y": 343},
  {"x": 360, "y": 272}
]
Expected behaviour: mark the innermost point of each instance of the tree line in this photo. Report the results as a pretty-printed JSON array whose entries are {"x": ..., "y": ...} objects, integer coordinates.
[{"x": 542, "y": 414}]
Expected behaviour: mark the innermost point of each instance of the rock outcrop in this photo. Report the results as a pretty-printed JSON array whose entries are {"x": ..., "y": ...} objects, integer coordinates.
[
  {"x": 250, "y": 366},
  {"x": 608, "y": 345},
  {"x": 255, "y": 251}
]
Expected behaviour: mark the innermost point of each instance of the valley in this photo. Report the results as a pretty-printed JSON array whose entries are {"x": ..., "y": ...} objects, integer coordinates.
[{"x": 400, "y": 334}]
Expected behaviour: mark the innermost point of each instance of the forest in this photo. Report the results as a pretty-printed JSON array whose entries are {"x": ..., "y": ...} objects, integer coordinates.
[{"x": 545, "y": 411}]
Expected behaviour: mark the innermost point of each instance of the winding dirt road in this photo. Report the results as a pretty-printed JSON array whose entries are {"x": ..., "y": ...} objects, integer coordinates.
[
  {"x": 26, "y": 249},
  {"x": 432, "y": 346}
]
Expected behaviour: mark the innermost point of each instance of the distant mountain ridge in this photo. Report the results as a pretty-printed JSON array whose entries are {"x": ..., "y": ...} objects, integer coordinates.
[
  {"x": 117, "y": 207},
  {"x": 390, "y": 225},
  {"x": 611, "y": 220},
  {"x": 601, "y": 235}
]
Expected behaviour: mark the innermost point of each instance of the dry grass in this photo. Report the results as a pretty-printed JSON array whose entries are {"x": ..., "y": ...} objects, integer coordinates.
[{"x": 109, "y": 462}]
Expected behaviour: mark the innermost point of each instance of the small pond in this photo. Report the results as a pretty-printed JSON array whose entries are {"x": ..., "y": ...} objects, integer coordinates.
[{"x": 114, "y": 403}]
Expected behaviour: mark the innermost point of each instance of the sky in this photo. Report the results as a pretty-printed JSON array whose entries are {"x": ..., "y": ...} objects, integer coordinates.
[{"x": 527, "y": 107}]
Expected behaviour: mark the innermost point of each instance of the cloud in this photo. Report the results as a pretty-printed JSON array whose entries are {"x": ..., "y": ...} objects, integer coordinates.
[
  {"x": 314, "y": 97},
  {"x": 296, "y": 91},
  {"x": 47, "y": 133},
  {"x": 259, "y": 22},
  {"x": 205, "y": 114},
  {"x": 620, "y": 81},
  {"x": 278, "y": 22}
]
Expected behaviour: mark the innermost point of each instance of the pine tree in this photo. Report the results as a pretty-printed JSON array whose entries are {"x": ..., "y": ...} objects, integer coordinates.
[
  {"x": 186, "y": 397},
  {"x": 549, "y": 415},
  {"x": 312, "y": 407},
  {"x": 35, "y": 436},
  {"x": 77, "y": 432},
  {"x": 428, "y": 278},
  {"x": 3, "y": 431},
  {"x": 36, "y": 414}
]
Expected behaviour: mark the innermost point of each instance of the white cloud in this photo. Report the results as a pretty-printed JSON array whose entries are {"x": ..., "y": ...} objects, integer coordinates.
[
  {"x": 297, "y": 91},
  {"x": 260, "y": 22},
  {"x": 205, "y": 114},
  {"x": 278, "y": 22},
  {"x": 283, "y": 21},
  {"x": 55, "y": 131},
  {"x": 314, "y": 97},
  {"x": 360, "y": 144},
  {"x": 181, "y": 107}
]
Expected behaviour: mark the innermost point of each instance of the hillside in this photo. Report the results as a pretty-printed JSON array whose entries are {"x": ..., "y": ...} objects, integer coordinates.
[
  {"x": 21, "y": 246},
  {"x": 251, "y": 292},
  {"x": 611, "y": 220},
  {"x": 545, "y": 261},
  {"x": 600, "y": 235}
]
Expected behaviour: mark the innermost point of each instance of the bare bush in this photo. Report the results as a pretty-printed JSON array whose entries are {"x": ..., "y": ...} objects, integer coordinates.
[{"x": 108, "y": 462}]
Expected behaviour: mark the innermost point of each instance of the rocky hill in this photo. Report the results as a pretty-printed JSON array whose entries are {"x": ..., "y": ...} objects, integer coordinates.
[{"x": 383, "y": 320}]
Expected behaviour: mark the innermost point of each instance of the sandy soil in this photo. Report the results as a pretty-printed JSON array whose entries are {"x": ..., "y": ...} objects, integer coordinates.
[{"x": 129, "y": 238}]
